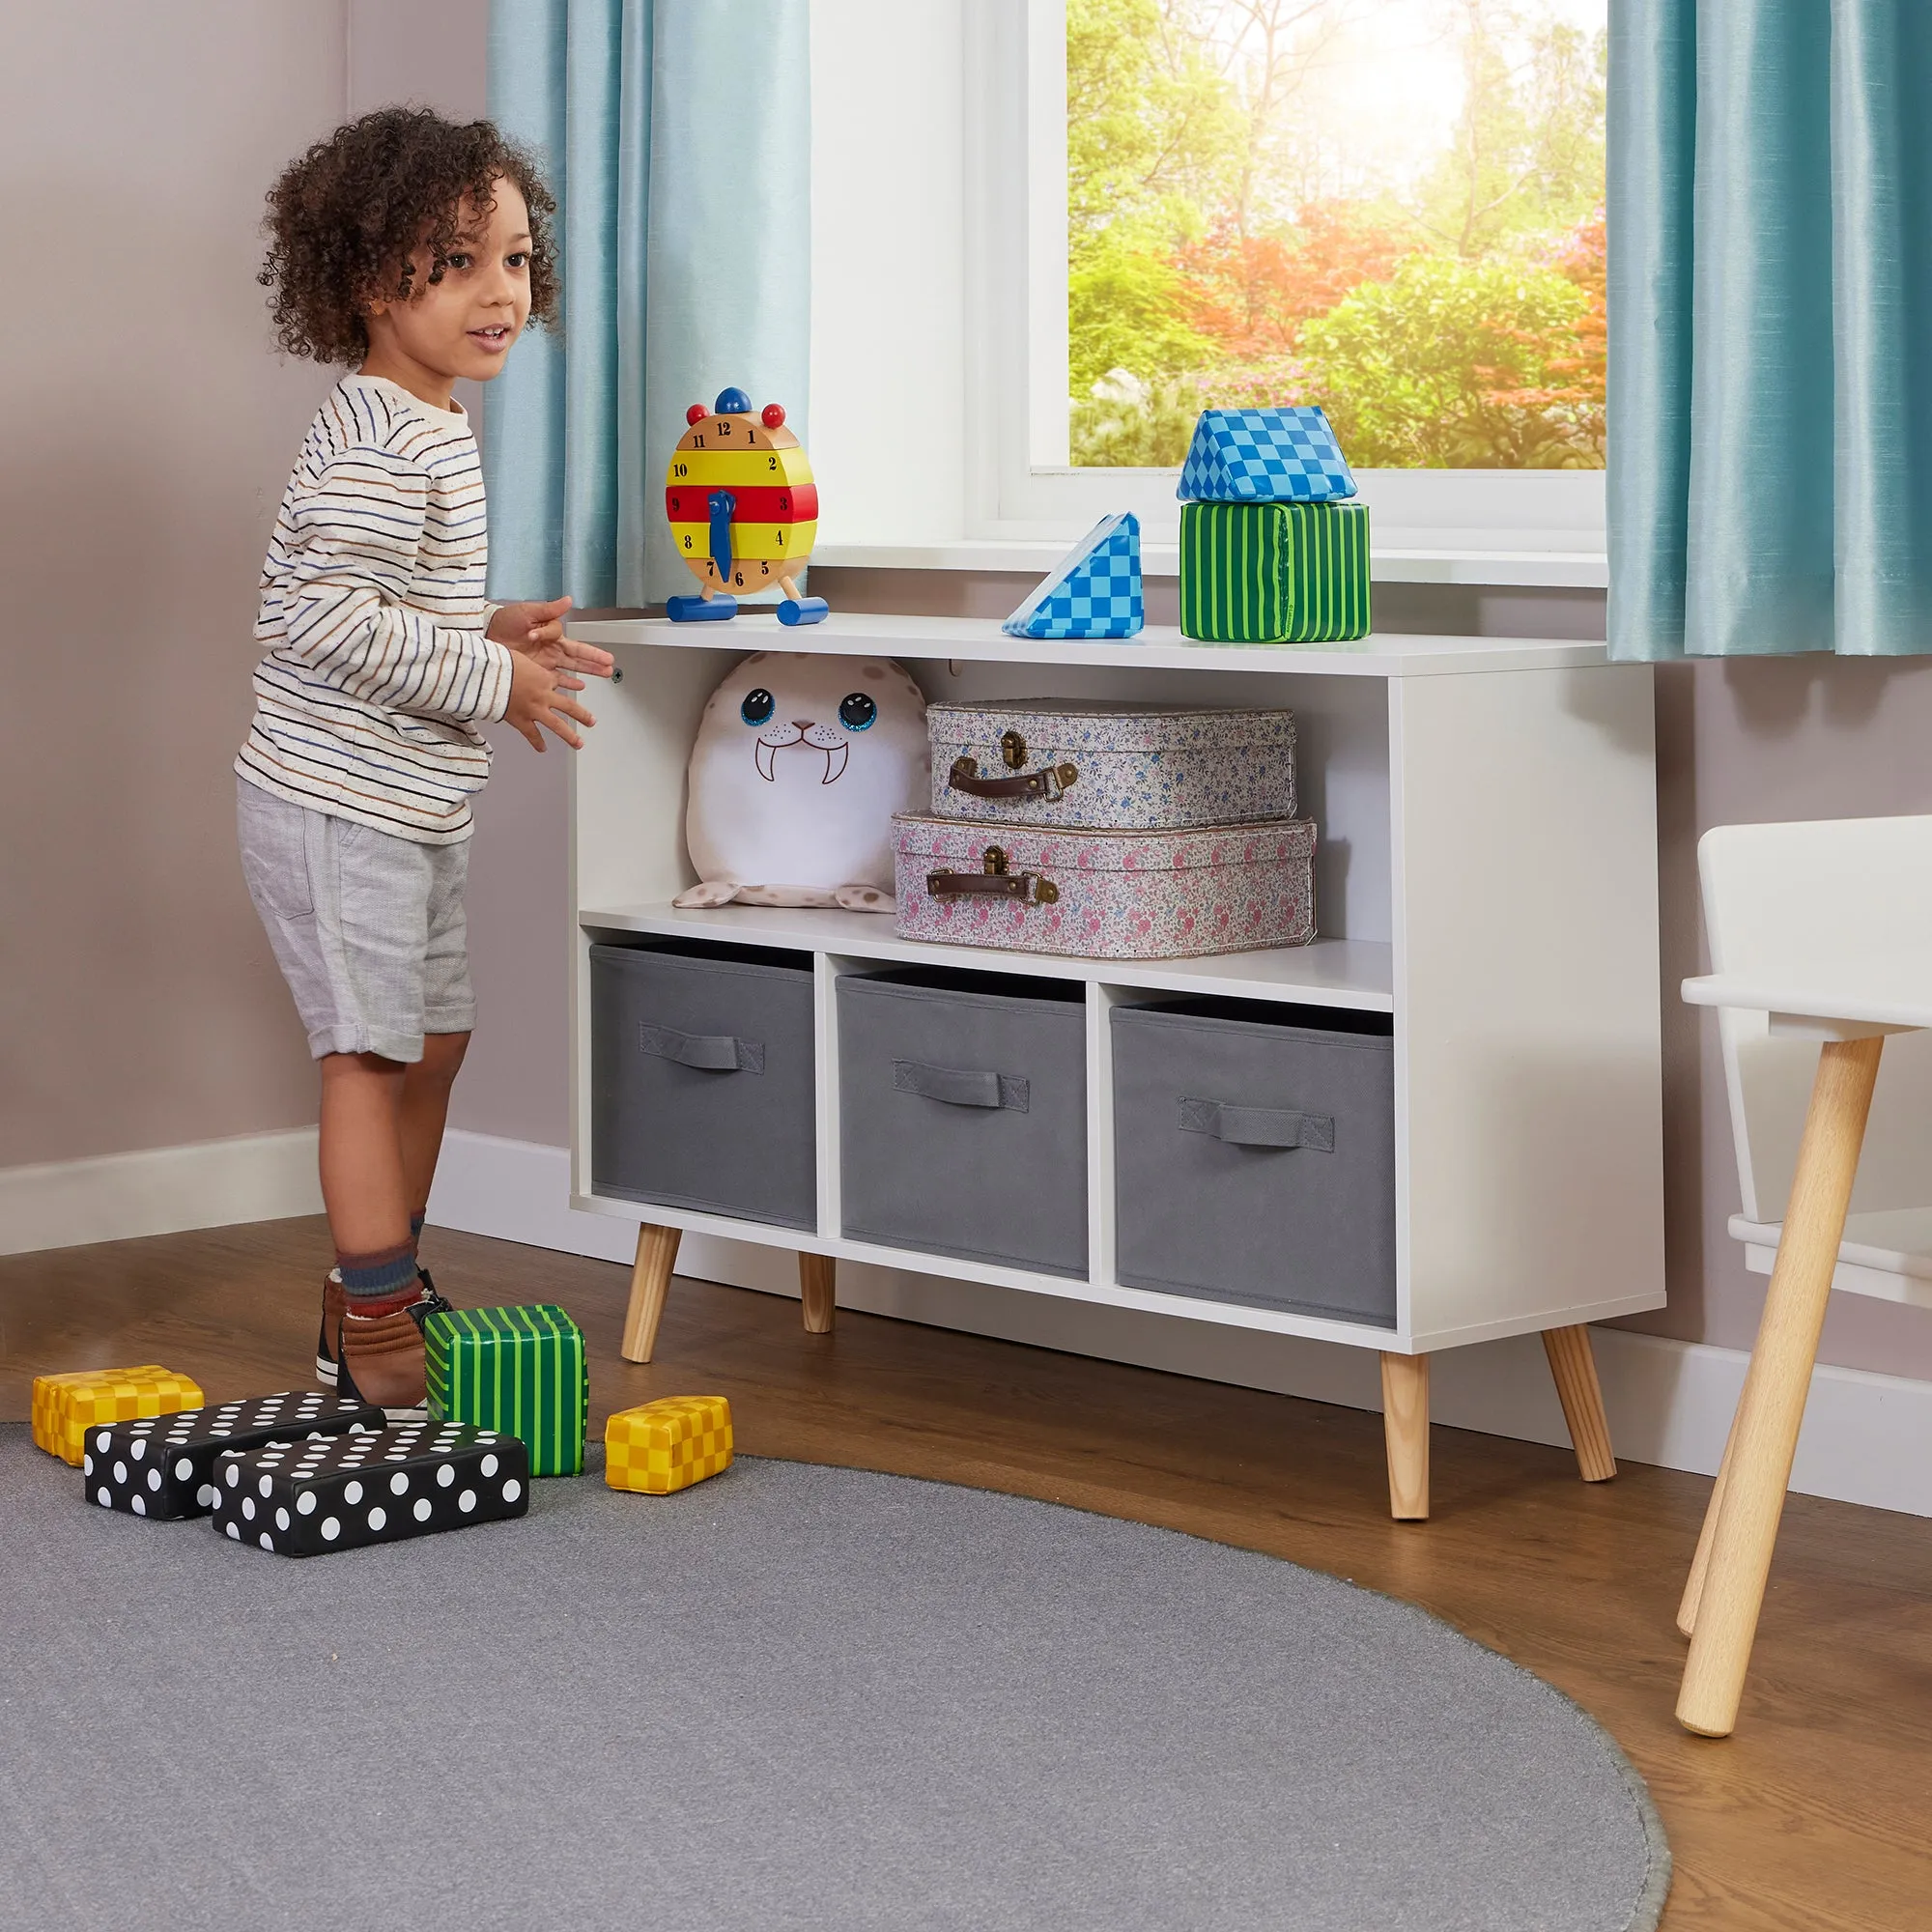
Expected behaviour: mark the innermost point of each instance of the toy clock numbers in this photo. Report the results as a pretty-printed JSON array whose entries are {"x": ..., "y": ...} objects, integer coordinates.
[{"x": 742, "y": 510}]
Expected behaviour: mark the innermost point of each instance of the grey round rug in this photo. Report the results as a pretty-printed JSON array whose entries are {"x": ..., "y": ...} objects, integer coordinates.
[{"x": 790, "y": 1697}]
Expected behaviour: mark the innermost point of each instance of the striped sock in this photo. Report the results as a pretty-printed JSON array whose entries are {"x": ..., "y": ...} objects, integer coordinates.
[{"x": 382, "y": 1282}]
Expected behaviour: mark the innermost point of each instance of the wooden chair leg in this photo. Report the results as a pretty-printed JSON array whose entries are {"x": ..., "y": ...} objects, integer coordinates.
[
  {"x": 1574, "y": 1369},
  {"x": 1700, "y": 1564},
  {"x": 1778, "y": 1380},
  {"x": 1405, "y": 1433},
  {"x": 817, "y": 1292},
  {"x": 650, "y": 1282}
]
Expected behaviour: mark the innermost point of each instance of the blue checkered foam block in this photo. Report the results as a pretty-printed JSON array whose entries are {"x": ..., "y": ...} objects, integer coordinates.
[
  {"x": 1095, "y": 592},
  {"x": 1264, "y": 456}
]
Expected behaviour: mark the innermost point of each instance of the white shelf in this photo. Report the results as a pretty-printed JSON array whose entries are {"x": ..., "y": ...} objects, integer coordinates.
[
  {"x": 1487, "y": 876},
  {"x": 1158, "y": 647},
  {"x": 1539, "y": 569},
  {"x": 1356, "y": 974}
]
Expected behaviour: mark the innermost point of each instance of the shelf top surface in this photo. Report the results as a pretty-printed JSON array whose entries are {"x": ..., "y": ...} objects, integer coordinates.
[
  {"x": 1158, "y": 647},
  {"x": 1349, "y": 973}
]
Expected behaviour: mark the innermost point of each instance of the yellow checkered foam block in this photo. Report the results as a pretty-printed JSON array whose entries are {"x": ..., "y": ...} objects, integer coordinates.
[
  {"x": 669, "y": 1445},
  {"x": 67, "y": 1407}
]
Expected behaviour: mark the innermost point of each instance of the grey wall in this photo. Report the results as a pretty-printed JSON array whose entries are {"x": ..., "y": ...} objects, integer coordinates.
[
  {"x": 146, "y": 430},
  {"x": 149, "y": 428}
]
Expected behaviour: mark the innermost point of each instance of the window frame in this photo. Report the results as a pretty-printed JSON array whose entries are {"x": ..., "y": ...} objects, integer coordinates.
[{"x": 1474, "y": 525}]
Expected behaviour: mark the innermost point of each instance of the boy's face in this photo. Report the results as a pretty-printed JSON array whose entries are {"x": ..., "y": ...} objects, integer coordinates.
[{"x": 463, "y": 324}]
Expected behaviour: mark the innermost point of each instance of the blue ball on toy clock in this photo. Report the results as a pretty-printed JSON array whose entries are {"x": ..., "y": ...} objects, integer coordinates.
[{"x": 733, "y": 403}]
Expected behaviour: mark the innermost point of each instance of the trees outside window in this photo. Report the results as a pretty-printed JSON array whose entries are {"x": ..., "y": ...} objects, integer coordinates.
[{"x": 1391, "y": 207}]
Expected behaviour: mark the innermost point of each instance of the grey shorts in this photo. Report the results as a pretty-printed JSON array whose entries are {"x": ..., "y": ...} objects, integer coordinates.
[{"x": 368, "y": 928}]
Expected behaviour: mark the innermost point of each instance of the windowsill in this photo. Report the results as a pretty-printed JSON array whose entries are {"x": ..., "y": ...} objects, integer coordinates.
[{"x": 1548, "y": 570}]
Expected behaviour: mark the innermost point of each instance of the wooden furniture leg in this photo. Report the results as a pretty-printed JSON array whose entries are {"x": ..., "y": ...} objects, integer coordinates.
[
  {"x": 1779, "y": 1379},
  {"x": 1575, "y": 1367},
  {"x": 650, "y": 1282},
  {"x": 1700, "y": 1564},
  {"x": 1405, "y": 1433},
  {"x": 817, "y": 1285}
]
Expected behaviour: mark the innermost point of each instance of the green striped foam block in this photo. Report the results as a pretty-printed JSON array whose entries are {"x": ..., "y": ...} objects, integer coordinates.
[
  {"x": 518, "y": 1370},
  {"x": 1274, "y": 573}
]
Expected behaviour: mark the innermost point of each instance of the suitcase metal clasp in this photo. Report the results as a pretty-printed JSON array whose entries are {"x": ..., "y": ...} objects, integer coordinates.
[{"x": 1012, "y": 749}]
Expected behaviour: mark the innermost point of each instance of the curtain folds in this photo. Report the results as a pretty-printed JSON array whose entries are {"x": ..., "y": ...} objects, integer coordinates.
[
  {"x": 1770, "y": 318},
  {"x": 678, "y": 140}
]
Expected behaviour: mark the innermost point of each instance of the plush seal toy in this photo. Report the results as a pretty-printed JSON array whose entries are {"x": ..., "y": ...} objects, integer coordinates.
[{"x": 800, "y": 763}]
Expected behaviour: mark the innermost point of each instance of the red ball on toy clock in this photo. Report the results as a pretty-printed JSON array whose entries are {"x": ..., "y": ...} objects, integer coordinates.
[
  {"x": 695, "y": 412},
  {"x": 772, "y": 414}
]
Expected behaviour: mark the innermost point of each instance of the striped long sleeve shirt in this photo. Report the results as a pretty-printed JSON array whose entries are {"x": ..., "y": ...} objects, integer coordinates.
[{"x": 378, "y": 672}]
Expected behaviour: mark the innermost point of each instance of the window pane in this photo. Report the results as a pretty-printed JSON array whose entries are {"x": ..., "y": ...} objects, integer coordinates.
[{"x": 1391, "y": 207}]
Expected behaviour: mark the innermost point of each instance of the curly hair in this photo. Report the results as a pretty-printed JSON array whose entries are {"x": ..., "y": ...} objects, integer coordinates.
[{"x": 345, "y": 219}]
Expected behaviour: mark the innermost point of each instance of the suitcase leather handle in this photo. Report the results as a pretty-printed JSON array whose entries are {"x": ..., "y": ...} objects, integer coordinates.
[
  {"x": 1026, "y": 888},
  {"x": 1259, "y": 1127},
  {"x": 961, "y": 1085},
  {"x": 1047, "y": 783},
  {"x": 711, "y": 1052}
]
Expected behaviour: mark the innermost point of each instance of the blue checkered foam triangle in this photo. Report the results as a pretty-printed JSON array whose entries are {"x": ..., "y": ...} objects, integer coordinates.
[
  {"x": 1095, "y": 592},
  {"x": 1265, "y": 456}
]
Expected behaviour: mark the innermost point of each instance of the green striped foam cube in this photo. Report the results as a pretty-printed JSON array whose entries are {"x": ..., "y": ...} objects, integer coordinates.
[
  {"x": 1274, "y": 573},
  {"x": 518, "y": 1370}
]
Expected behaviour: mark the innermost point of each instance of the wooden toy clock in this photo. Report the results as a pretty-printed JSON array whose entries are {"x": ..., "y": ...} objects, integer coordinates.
[{"x": 742, "y": 510}]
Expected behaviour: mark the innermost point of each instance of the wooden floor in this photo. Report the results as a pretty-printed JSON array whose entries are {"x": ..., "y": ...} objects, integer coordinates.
[{"x": 1816, "y": 1816}]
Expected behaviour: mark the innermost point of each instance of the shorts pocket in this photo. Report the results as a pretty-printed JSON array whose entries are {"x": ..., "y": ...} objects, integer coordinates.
[{"x": 275, "y": 853}]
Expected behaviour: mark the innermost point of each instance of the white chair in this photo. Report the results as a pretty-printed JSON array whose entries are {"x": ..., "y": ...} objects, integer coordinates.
[{"x": 1821, "y": 945}]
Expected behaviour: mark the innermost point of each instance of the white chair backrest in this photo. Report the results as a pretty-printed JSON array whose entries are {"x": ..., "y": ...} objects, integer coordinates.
[{"x": 1819, "y": 903}]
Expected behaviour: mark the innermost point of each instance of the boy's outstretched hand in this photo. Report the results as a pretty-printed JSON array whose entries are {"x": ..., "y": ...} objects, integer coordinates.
[
  {"x": 536, "y": 630},
  {"x": 542, "y": 670},
  {"x": 540, "y": 696}
]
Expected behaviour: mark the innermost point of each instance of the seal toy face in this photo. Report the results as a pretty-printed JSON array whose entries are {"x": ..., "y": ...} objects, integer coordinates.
[{"x": 800, "y": 763}]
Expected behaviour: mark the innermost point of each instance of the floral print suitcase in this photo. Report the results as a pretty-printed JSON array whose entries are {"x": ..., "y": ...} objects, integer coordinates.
[
  {"x": 1110, "y": 767},
  {"x": 1106, "y": 894}
]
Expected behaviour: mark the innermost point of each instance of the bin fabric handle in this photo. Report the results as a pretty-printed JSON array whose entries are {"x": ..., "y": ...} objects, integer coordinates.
[
  {"x": 960, "y": 1086},
  {"x": 1259, "y": 1127},
  {"x": 712, "y": 1052}
]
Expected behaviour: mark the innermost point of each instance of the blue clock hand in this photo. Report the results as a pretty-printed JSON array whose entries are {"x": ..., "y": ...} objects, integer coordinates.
[{"x": 721, "y": 504}]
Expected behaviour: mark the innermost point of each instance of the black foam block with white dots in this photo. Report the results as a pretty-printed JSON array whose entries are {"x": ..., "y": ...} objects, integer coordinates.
[
  {"x": 409, "y": 1478},
  {"x": 163, "y": 1466}
]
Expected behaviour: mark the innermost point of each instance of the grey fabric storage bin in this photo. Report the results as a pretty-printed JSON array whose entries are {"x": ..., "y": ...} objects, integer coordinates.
[
  {"x": 701, "y": 1084},
  {"x": 963, "y": 1116},
  {"x": 1254, "y": 1154}
]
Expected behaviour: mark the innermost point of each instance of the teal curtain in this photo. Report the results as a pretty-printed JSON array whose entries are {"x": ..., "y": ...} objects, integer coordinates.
[
  {"x": 676, "y": 136},
  {"x": 1771, "y": 327}
]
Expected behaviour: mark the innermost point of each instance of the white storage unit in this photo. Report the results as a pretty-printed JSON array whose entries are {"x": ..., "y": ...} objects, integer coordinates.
[{"x": 1487, "y": 876}]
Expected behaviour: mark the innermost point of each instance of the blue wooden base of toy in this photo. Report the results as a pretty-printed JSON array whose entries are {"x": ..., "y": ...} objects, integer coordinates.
[
  {"x": 701, "y": 609},
  {"x": 803, "y": 611}
]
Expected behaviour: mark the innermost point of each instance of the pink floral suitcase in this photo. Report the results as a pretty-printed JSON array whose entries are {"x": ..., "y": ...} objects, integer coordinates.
[
  {"x": 1112, "y": 767},
  {"x": 1106, "y": 894}
]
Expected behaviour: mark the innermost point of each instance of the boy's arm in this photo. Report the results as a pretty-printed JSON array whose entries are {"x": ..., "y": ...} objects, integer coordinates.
[{"x": 356, "y": 536}]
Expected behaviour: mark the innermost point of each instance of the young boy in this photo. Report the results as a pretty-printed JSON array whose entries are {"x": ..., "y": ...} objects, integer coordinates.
[{"x": 412, "y": 251}]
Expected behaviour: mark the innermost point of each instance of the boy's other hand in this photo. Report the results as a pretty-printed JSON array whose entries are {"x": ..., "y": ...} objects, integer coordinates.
[
  {"x": 536, "y": 630},
  {"x": 540, "y": 697}
]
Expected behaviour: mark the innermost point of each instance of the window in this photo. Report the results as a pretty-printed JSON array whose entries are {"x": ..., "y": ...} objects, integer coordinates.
[
  {"x": 1252, "y": 200},
  {"x": 1392, "y": 210}
]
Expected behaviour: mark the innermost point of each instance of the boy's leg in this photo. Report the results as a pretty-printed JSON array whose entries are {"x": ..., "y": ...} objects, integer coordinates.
[
  {"x": 365, "y": 1190},
  {"x": 424, "y": 1108},
  {"x": 364, "y": 1186}
]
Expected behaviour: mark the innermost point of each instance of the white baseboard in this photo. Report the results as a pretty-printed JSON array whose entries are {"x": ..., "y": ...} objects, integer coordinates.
[
  {"x": 1867, "y": 1438},
  {"x": 120, "y": 1197}
]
